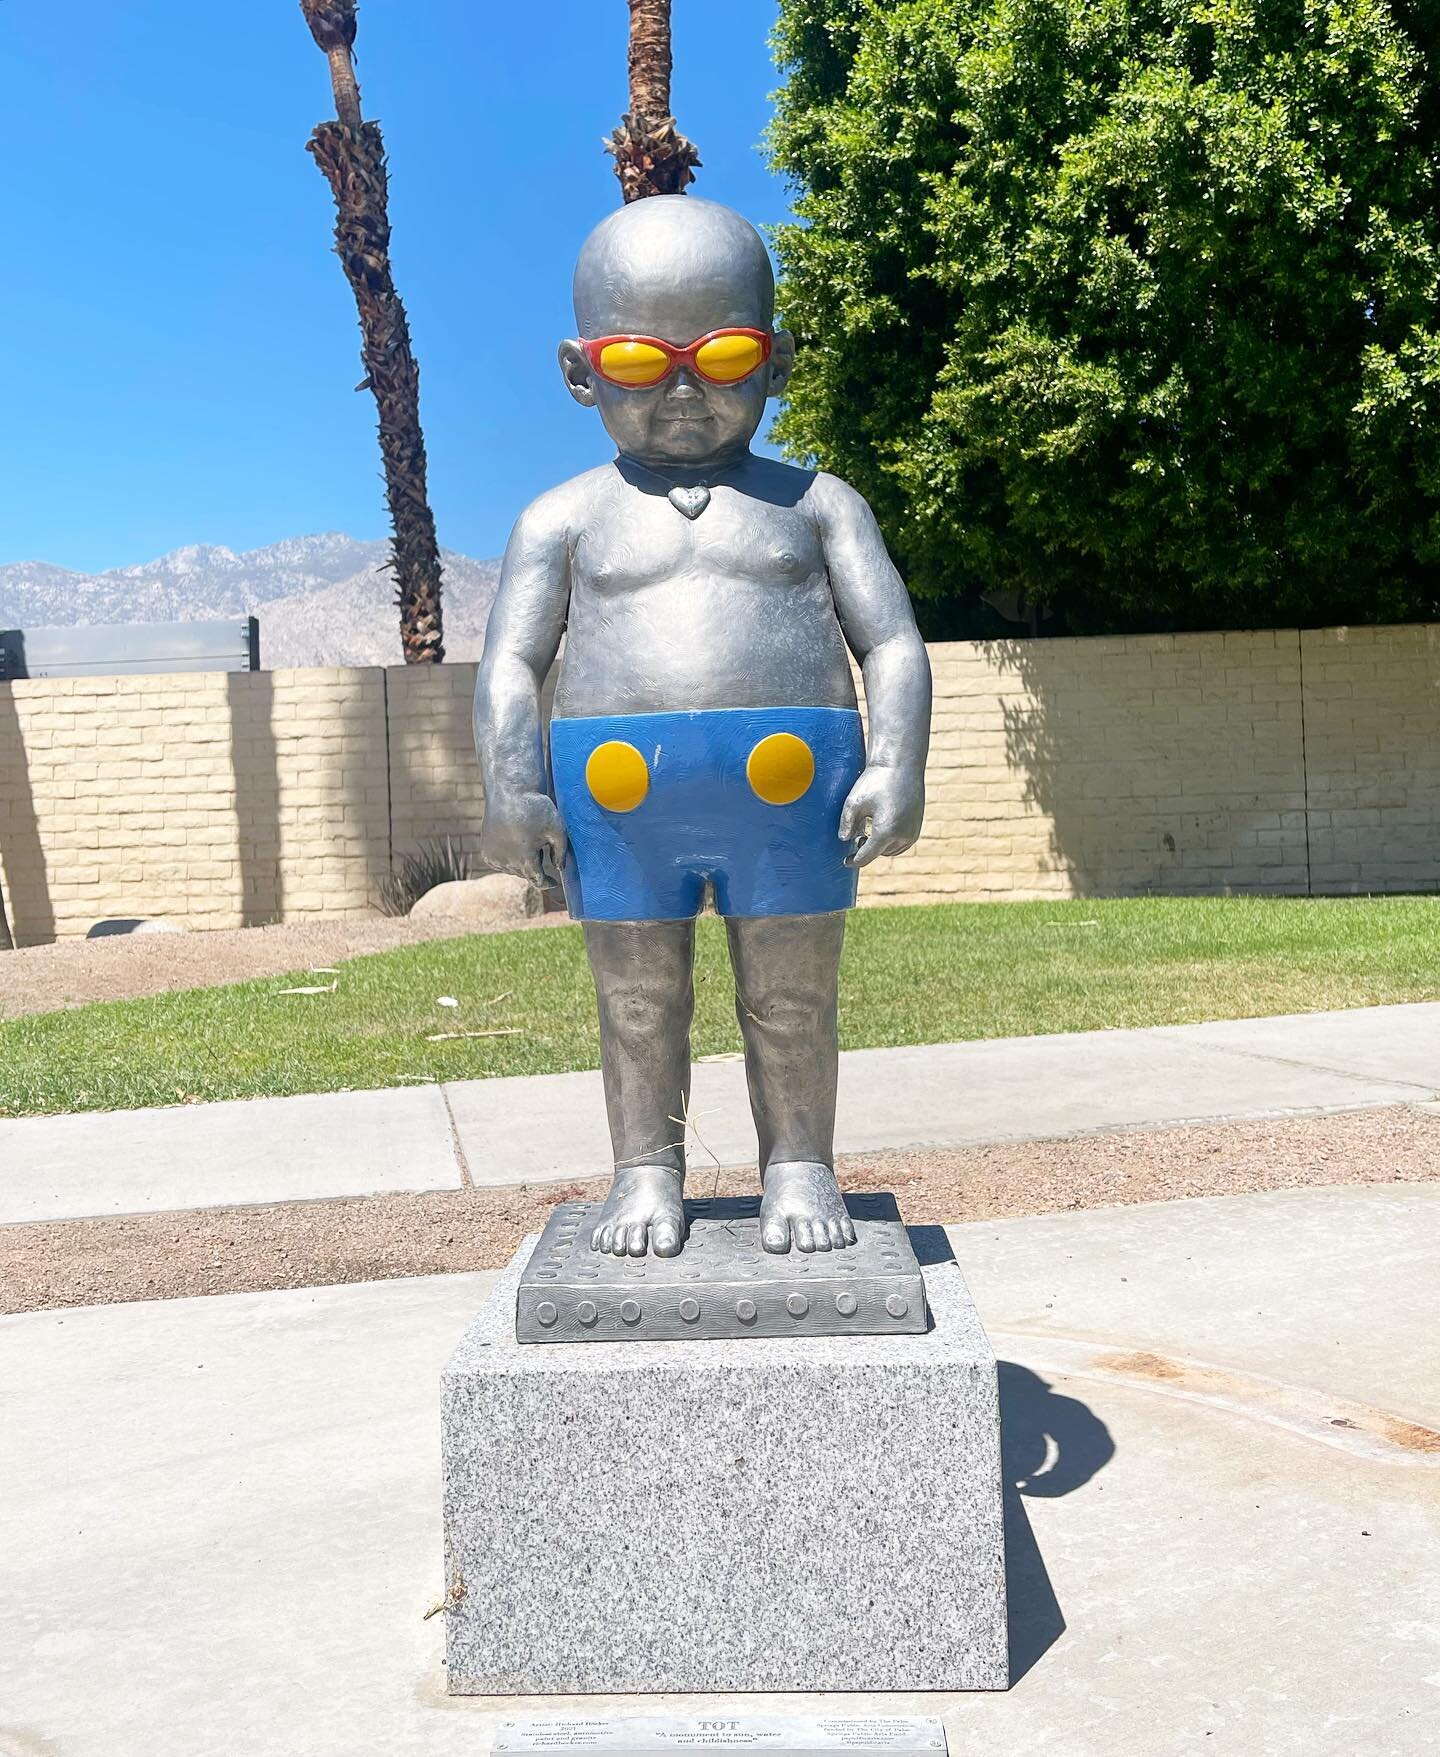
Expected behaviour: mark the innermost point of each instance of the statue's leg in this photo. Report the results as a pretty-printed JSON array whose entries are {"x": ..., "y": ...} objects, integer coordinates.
[
  {"x": 787, "y": 970},
  {"x": 645, "y": 985}
]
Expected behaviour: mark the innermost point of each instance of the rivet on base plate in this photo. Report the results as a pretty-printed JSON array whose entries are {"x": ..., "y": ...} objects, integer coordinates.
[
  {"x": 546, "y": 1313},
  {"x": 797, "y": 1305},
  {"x": 689, "y": 1309},
  {"x": 897, "y": 1305},
  {"x": 586, "y": 1312},
  {"x": 745, "y": 1310},
  {"x": 846, "y": 1304},
  {"x": 630, "y": 1310}
]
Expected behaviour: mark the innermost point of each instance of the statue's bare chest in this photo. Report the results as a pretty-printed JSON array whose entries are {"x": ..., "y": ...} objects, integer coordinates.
[{"x": 638, "y": 541}]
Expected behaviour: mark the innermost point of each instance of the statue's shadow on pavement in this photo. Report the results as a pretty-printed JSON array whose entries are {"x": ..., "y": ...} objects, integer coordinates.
[{"x": 1049, "y": 1445}]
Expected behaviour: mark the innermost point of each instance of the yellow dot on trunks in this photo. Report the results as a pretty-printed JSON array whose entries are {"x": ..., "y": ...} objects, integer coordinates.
[
  {"x": 780, "y": 768},
  {"x": 616, "y": 775}
]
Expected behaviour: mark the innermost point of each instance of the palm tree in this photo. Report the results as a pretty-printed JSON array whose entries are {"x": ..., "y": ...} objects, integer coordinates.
[
  {"x": 652, "y": 157},
  {"x": 351, "y": 153}
]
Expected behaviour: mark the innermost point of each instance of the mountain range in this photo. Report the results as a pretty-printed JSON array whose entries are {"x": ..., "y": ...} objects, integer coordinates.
[{"x": 320, "y": 600}]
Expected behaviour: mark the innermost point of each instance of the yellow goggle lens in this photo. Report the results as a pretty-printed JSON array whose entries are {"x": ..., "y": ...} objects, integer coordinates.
[
  {"x": 728, "y": 359},
  {"x": 633, "y": 363}
]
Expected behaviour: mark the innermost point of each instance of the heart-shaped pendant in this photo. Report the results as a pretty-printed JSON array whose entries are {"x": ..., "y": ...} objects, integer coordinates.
[{"x": 691, "y": 501}]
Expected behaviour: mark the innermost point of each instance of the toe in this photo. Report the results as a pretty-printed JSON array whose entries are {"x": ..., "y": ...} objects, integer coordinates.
[
  {"x": 666, "y": 1239},
  {"x": 847, "y": 1226},
  {"x": 635, "y": 1243},
  {"x": 775, "y": 1236},
  {"x": 819, "y": 1235},
  {"x": 837, "y": 1235},
  {"x": 602, "y": 1237},
  {"x": 803, "y": 1236},
  {"x": 595, "y": 1238}
]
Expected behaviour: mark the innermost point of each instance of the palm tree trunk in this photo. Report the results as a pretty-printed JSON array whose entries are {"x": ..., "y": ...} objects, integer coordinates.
[
  {"x": 652, "y": 157},
  {"x": 351, "y": 153}
]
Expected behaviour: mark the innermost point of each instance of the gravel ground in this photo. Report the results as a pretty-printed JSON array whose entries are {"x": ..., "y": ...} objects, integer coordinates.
[
  {"x": 309, "y": 1244},
  {"x": 72, "y": 973}
]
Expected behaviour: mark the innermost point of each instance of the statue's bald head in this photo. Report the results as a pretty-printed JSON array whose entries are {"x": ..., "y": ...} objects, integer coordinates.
[{"x": 675, "y": 267}]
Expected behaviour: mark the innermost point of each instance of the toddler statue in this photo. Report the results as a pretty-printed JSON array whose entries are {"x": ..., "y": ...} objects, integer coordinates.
[{"x": 705, "y": 732}]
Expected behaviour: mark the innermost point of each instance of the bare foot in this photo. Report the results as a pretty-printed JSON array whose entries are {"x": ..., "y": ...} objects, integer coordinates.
[
  {"x": 803, "y": 1205},
  {"x": 644, "y": 1211}
]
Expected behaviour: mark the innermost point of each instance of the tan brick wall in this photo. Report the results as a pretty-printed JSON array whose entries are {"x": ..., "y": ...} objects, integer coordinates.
[
  {"x": 1151, "y": 763},
  {"x": 218, "y": 801},
  {"x": 1372, "y": 757},
  {"x": 312, "y": 804},
  {"x": 1147, "y": 763},
  {"x": 435, "y": 788}
]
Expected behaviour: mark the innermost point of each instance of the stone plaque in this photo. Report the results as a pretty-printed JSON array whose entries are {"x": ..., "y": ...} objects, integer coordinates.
[
  {"x": 723, "y": 1285},
  {"x": 719, "y": 1736}
]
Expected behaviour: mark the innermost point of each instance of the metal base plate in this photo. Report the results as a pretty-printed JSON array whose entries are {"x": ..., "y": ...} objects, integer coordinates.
[{"x": 724, "y": 1284}]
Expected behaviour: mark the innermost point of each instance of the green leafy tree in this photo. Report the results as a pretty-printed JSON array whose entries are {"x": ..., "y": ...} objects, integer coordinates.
[{"x": 1125, "y": 308}]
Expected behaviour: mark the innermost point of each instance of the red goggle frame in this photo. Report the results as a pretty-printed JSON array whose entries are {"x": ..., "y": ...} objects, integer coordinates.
[{"x": 723, "y": 356}]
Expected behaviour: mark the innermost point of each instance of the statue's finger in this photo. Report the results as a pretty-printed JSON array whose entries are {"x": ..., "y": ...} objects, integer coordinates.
[{"x": 551, "y": 867}]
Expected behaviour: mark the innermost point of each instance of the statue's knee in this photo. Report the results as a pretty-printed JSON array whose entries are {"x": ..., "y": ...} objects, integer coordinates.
[
  {"x": 639, "y": 1013},
  {"x": 782, "y": 1014}
]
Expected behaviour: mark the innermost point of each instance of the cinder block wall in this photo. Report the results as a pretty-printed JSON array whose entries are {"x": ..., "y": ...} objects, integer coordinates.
[
  {"x": 435, "y": 787},
  {"x": 1257, "y": 761},
  {"x": 1128, "y": 764},
  {"x": 215, "y": 800},
  {"x": 312, "y": 791},
  {"x": 1372, "y": 757}
]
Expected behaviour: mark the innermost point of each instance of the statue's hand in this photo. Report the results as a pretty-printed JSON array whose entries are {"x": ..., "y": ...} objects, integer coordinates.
[
  {"x": 523, "y": 834},
  {"x": 883, "y": 813}
]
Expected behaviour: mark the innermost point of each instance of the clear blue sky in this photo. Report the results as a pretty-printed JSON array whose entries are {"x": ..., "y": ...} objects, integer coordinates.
[{"x": 181, "y": 345}]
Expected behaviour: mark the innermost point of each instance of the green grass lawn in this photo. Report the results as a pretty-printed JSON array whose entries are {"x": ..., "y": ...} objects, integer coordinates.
[{"x": 912, "y": 975}]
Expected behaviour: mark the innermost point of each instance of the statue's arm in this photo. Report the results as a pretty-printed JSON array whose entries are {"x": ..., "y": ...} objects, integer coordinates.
[
  {"x": 522, "y": 832},
  {"x": 887, "y": 804}
]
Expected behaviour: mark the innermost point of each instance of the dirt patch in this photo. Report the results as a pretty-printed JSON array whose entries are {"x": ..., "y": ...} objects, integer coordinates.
[
  {"x": 73, "y": 973},
  {"x": 1411, "y": 1437},
  {"x": 310, "y": 1244},
  {"x": 1142, "y": 1366}
]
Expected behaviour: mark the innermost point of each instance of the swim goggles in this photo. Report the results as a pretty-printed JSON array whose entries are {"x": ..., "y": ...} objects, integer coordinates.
[{"x": 724, "y": 356}]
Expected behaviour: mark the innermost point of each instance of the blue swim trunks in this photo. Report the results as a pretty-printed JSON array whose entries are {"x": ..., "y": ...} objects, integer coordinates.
[{"x": 747, "y": 799}]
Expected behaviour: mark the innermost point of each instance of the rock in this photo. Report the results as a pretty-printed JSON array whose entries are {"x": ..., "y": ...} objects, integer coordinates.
[
  {"x": 104, "y": 930},
  {"x": 497, "y": 896}
]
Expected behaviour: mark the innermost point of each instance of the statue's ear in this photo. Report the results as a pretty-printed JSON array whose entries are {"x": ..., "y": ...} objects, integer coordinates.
[
  {"x": 782, "y": 361},
  {"x": 578, "y": 373}
]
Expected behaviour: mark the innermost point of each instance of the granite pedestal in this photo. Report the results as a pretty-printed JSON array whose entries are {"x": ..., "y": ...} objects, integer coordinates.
[{"x": 759, "y": 1514}]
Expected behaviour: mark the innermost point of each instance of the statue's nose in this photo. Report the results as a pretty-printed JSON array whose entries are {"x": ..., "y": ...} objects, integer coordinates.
[{"x": 685, "y": 385}]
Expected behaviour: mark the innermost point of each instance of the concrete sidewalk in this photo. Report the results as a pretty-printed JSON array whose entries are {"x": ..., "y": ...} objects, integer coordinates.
[
  {"x": 552, "y": 1127},
  {"x": 221, "y": 1517}
]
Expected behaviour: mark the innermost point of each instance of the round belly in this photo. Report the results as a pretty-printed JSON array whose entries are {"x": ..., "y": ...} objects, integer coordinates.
[{"x": 688, "y": 644}]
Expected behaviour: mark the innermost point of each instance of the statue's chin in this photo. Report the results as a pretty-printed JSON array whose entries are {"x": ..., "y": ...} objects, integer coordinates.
[{"x": 690, "y": 445}]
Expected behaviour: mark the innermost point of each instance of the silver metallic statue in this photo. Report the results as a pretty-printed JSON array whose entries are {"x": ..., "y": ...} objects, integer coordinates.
[{"x": 705, "y": 731}]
